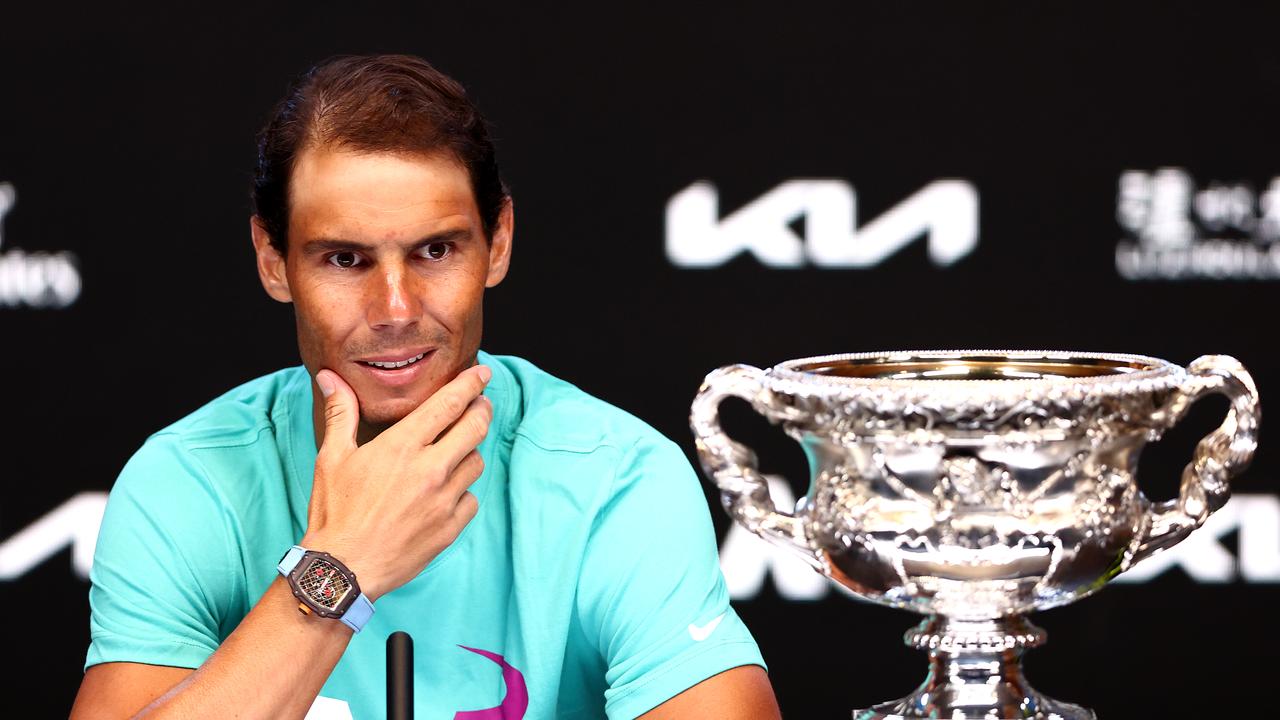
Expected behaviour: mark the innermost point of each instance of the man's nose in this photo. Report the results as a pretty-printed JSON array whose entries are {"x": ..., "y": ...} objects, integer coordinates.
[{"x": 395, "y": 302}]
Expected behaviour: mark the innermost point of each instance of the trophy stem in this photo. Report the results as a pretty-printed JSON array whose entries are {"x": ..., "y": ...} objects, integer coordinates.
[{"x": 975, "y": 671}]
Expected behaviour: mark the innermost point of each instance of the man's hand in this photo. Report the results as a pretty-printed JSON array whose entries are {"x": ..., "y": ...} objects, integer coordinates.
[
  {"x": 384, "y": 509},
  {"x": 387, "y": 508}
]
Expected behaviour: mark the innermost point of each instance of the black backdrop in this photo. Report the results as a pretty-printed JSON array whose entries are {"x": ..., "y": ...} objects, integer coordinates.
[{"x": 128, "y": 138}]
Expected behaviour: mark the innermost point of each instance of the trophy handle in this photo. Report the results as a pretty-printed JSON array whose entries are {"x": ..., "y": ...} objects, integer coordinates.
[
  {"x": 744, "y": 491},
  {"x": 1221, "y": 455}
]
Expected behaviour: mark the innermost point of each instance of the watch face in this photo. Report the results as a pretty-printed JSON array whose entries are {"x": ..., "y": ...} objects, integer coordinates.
[{"x": 324, "y": 584}]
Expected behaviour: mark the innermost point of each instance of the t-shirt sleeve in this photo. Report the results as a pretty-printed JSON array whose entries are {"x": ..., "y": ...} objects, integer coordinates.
[
  {"x": 162, "y": 572},
  {"x": 651, "y": 589}
]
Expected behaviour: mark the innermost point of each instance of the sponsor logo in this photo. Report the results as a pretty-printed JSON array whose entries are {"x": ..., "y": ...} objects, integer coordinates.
[
  {"x": 702, "y": 632},
  {"x": 1177, "y": 230},
  {"x": 944, "y": 211},
  {"x": 512, "y": 707},
  {"x": 747, "y": 561},
  {"x": 1204, "y": 557},
  {"x": 37, "y": 279},
  {"x": 516, "y": 702},
  {"x": 74, "y": 523}
]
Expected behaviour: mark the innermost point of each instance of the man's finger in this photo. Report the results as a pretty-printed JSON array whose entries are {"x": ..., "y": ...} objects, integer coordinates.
[
  {"x": 467, "y": 472},
  {"x": 341, "y": 414},
  {"x": 464, "y": 435},
  {"x": 466, "y": 509},
  {"x": 432, "y": 417}
]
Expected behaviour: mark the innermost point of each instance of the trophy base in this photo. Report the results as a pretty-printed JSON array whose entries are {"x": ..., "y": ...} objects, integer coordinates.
[{"x": 975, "y": 671}]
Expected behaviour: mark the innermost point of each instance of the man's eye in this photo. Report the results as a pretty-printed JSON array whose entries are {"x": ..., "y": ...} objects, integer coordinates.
[
  {"x": 344, "y": 259},
  {"x": 436, "y": 251}
]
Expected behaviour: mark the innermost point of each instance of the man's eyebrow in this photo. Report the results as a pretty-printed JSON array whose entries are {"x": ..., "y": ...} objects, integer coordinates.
[{"x": 327, "y": 245}]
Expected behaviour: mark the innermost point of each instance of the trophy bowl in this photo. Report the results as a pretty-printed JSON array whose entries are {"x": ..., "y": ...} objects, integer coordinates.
[{"x": 976, "y": 486}]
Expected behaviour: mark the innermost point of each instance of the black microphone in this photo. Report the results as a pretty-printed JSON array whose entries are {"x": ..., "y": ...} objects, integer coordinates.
[{"x": 399, "y": 676}]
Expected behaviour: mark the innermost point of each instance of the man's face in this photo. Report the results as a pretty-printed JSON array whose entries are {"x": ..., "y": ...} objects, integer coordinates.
[{"x": 387, "y": 263}]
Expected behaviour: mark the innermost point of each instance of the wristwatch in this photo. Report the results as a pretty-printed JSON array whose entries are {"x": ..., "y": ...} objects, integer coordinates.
[{"x": 325, "y": 586}]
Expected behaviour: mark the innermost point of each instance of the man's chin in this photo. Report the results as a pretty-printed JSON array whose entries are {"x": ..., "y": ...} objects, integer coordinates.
[{"x": 386, "y": 413}]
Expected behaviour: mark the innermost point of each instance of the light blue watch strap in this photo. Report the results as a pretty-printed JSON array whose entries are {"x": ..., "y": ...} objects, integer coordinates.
[
  {"x": 360, "y": 611},
  {"x": 358, "y": 614},
  {"x": 290, "y": 560}
]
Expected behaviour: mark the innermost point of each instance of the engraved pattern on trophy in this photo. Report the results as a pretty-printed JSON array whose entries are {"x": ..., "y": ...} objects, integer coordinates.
[{"x": 974, "y": 487}]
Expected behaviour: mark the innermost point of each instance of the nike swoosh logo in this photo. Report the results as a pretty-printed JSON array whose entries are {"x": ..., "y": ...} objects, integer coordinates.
[
  {"x": 513, "y": 705},
  {"x": 702, "y": 632}
]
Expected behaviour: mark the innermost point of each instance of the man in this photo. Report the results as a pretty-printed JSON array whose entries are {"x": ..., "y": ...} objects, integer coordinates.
[{"x": 550, "y": 555}]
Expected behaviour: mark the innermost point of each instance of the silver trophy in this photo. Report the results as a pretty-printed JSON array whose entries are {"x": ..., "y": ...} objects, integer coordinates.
[{"x": 975, "y": 487}]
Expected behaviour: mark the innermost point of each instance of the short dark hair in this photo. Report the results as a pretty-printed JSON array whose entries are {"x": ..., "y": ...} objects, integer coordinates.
[{"x": 391, "y": 103}]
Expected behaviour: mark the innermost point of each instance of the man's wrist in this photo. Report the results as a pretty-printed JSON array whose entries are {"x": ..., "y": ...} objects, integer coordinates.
[
  {"x": 348, "y": 554},
  {"x": 325, "y": 586}
]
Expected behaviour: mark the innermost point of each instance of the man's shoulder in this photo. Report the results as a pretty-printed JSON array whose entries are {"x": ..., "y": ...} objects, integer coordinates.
[
  {"x": 239, "y": 416},
  {"x": 556, "y": 415},
  {"x": 219, "y": 453}
]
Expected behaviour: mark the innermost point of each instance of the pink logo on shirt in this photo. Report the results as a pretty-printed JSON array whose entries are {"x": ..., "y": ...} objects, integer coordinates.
[{"x": 513, "y": 705}]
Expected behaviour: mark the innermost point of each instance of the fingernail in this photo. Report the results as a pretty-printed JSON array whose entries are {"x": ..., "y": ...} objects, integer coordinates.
[
  {"x": 485, "y": 373},
  {"x": 325, "y": 383}
]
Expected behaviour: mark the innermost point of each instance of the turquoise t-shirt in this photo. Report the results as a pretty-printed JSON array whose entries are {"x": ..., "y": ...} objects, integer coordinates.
[{"x": 587, "y": 584}]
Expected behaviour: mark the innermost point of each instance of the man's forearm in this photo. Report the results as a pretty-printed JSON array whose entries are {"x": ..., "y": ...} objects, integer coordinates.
[
  {"x": 386, "y": 508},
  {"x": 272, "y": 666}
]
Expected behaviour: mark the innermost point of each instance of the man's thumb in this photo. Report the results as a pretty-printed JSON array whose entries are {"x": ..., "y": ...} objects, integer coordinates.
[{"x": 341, "y": 410}]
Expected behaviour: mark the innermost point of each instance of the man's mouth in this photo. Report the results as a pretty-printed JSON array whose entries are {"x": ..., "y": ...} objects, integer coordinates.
[{"x": 393, "y": 364}]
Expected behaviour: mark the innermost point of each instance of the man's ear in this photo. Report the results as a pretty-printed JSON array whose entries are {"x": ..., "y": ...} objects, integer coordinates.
[
  {"x": 500, "y": 245},
  {"x": 271, "y": 268}
]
